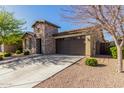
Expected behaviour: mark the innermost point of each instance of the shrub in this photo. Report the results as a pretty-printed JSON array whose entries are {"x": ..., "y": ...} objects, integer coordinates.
[
  {"x": 1, "y": 53},
  {"x": 114, "y": 52},
  {"x": 1, "y": 57},
  {"x": 20, "y": 49},
  {"x": 91, "y": 62},
  {"x": 7, "y": 54},
  {"x": 26, "y": 52},
  {"x": 18, "y": 52},
  {"x": 108, "y": 50}
]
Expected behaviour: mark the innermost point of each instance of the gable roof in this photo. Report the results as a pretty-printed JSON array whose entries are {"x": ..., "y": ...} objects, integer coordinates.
[{"x": 47, "y": 22}]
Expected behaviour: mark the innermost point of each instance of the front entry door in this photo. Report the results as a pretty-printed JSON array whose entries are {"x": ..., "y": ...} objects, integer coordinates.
[{"x": 38, "y": 46}]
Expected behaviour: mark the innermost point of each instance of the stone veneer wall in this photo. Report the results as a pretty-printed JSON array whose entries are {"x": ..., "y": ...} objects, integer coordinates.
[
  {"x": 45, "y": 32},
  {"x": 50, "y": 43},
  {"x": 39, "y": 29}
]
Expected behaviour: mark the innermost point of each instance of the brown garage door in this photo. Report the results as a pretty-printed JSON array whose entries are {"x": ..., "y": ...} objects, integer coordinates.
[{"x": 73, "y": 45}]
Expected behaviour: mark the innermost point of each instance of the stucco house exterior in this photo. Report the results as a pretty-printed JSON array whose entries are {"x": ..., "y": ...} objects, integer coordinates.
[{"x": 45, "y": 39}]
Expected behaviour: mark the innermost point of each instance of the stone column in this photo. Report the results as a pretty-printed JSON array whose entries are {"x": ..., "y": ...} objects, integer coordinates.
[
  {"x": 88, "y": 45},
  {"x": 23, "y": 44}
]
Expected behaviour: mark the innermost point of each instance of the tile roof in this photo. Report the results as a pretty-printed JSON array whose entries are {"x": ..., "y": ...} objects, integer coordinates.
[
  {"x": 76, "y": 31},
  {"x": 85, "y": 31}
]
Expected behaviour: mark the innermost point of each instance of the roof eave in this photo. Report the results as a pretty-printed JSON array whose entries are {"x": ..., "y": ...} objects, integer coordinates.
[{"x": 25, "y": 34}]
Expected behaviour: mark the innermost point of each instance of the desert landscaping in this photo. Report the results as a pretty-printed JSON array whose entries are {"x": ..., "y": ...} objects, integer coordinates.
[{"x": 81, "y": 76}]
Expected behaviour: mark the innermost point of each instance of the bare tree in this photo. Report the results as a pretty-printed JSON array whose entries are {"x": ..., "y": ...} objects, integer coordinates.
[{"x": 108, "y": 17}]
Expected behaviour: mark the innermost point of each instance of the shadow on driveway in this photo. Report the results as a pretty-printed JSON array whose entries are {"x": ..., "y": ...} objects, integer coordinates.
[{"x": 44, "y": 60}]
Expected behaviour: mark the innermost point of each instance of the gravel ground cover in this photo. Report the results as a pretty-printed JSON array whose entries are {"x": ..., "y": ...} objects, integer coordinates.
[{"x": 81, "y": 76}]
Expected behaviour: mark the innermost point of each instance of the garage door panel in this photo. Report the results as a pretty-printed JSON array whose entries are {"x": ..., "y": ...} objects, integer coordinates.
[{"x": 72, "y": 46}]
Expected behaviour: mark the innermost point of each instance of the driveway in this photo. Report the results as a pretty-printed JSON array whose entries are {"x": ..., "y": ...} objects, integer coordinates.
[{"x": 31, "y": 71}]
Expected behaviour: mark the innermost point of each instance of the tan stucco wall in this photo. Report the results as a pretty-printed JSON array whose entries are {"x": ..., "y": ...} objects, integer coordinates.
[{"x": 90, "y": 45}]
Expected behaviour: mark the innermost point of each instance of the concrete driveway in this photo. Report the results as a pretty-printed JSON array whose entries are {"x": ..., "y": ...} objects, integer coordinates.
[{"x": 31, "y": 71}]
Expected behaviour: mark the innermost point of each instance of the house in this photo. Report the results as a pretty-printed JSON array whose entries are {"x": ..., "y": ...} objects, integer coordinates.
[{"x": 45, "y": 39}]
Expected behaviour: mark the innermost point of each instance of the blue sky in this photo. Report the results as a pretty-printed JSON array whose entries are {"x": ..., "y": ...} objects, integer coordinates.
[{"x": 32, "y": 13}]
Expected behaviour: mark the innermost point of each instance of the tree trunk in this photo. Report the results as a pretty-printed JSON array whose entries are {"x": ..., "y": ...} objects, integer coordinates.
[
  {"x": 120, "y": 59},
  {"x": 2, "y": 47}
]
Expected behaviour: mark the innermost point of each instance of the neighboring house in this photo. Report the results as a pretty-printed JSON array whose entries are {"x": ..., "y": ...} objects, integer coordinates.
[{"x": 47, "y": 40}]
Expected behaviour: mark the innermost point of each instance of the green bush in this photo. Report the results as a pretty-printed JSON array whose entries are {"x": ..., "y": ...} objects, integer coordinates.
[
  {"x": 91, "y": 62},
  {"x": 1, "y": 57},
  {"x": 20, "y": 49},
  {"x": 114, "y": 52},
  {"x": 108, "y": 50},
  {"x": 26, "y": 52},
  {"x": 18, "y": 52},
  {"x": 7, "y": 54}
]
